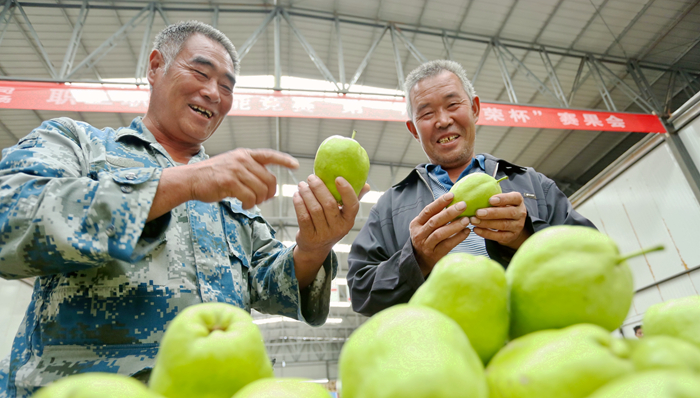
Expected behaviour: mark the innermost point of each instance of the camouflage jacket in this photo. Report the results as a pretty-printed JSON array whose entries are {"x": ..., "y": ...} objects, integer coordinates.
[{"x": 73, "y": 207}]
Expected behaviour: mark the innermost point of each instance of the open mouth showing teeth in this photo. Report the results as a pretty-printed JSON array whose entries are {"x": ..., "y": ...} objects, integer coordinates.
[
  {"x": 447, "y": 139},
  {"x": 202, "y": 111}
]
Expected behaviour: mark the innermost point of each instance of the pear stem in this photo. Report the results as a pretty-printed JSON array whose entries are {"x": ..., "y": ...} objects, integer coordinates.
[
  {"x": 501, "y": 179},
  {"x": 640, "y": 252},
  {"x": 353, "y": 134}
]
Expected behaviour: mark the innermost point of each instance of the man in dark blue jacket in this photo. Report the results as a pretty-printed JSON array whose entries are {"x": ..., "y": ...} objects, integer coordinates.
[{"x": 410, "y": 228}]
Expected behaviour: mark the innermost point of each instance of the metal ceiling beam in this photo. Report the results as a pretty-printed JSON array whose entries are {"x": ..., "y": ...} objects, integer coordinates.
[
  {"x": 111, "y": 42},
  {"x": 536, "y": 82},
  {"x": 310, "y": 51},
  {"x": 625, "y": 88},
  {"x": 505, "y": 74},
  {"x": 553, "y": 78},
  {"x": 141, "y": 64},
  {"x": 341, "y": 61},
  {"x": 39, "y": 47},
  {"x": 410, "y": 47},
  {"x": 365, "y": 60},
  {"x": 577, "y": 79},
  {"x": 536, "y": 39},
  {"x": 397, "y": 57},
  {"x": 248, "y": 44},
  {"x": 161, "y": 11},
  {"x": 369, "y": 22},
  {"x": 602, "y": 87},
  {"x": 447, "y": 45},
  {"x": 643, "y": 85},
  {"x": 72, "y": 49},
  {"x": 482, "y": 61},
  {"x": 215, "y": 17},
  {"x": 5, "y": 16}
]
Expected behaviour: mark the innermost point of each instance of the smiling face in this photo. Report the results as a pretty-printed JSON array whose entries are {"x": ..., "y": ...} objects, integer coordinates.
[
  {"x": 190, "y": 100},
  {"x": 444, "y": 120}
]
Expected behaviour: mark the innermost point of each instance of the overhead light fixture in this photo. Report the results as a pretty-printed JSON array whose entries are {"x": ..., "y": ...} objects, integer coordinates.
[{"x": 322, "y": 381}]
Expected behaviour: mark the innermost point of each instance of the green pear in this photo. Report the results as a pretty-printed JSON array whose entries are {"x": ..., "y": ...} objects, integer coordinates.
[
  {"x": 564, "y": 275},
  {"x": 339, "y": 156},
  {"x": 96, "y": 385},
  {"x": 472, "y": 291},
  {"x": 653, "y": 384},
  {"x": 677, "y": 318},
  {"x": 665, "y": 352},
  {"x": 410, "y": 352},
  {"x": 210, "y": 350},
  {"x": 565, "y": 363},
  {"x": 282, "y": 388},
  {"x": 475, "y": 190}
]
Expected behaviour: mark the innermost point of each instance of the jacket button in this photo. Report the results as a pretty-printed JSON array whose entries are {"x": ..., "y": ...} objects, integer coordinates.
[
  {"x": 110, "y": 230},
  {"x": 127, "y": 189},
  {"x": 130, "y": 176}
]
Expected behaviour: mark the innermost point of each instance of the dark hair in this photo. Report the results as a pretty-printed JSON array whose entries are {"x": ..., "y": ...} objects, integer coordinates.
[{"x": 637, "y": 328}]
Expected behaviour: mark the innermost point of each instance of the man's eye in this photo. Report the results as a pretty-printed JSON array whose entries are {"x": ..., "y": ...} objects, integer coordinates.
[
  {"x": 453, "y": 105},
  {"x": 425, "y": 115},
  {"x": 227, "y": 88},
  {"x": 201, "y": 73}
]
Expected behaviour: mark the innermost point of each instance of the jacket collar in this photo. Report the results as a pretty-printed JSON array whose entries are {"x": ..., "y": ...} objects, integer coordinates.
[
  {"x": 139, "y": 131},
  {"x": 491, "y": 162}
]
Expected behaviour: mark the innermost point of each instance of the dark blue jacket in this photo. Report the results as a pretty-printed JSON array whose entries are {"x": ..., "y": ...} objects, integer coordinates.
[{"x": 383, "y": 270}]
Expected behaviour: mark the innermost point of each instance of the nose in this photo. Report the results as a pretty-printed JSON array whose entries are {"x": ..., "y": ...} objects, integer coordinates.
[
  {"x": 210, "y": 91},
  {"x": 443, "y": 119}
]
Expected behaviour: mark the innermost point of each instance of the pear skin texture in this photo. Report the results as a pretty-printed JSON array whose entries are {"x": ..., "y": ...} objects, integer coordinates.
[
  {"x": 282, "y": 388},
  {"x": 210, "y": 350},
  {"x": 676, "y": 318},
  {"x": 665, "y": 352},
  {"x": 96, "y": 385},
  {"x": 339, "y": 156},
  {"x": 565, "y": 363},
  {"x": 410, "y": 351},
  {"x": 472, "y": 291},
  {"x": 564, "y": 275},
  {"x": 475, "y": 190},
  {"x": 653, "y": 384}
]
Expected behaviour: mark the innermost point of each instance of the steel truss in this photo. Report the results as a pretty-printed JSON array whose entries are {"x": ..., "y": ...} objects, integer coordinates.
[{"x": 680, "y": 80}]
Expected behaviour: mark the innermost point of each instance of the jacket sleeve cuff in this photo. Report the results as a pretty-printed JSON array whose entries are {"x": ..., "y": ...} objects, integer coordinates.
[
  {"x": 409, "y": 270},
  {"x": 120, "y": 209},
  {"x": 316, "y": 298}
]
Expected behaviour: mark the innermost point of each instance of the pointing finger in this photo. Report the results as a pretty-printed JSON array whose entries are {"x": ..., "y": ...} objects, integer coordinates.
[{"x": 270, "y": 156}]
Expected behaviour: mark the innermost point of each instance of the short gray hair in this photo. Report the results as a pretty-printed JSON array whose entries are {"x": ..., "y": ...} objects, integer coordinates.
[
  {"x": 434, "y": 68},
  {"x": 171, "y": 39}
]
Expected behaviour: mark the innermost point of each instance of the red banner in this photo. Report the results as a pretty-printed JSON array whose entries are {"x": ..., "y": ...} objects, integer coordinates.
[{"x": 103, "y": 98}]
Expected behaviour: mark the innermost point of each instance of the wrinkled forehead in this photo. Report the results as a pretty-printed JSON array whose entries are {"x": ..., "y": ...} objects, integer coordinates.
[
  {"x": 444, "y": 82},
  {"x": 201, "y": 50}
]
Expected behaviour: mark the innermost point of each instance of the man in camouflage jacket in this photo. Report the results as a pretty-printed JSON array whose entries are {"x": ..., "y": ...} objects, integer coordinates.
[{"x": 125, "y": 228}]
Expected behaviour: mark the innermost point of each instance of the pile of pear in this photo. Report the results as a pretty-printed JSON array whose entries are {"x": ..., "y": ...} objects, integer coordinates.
[{"x": 542, "y": 328}]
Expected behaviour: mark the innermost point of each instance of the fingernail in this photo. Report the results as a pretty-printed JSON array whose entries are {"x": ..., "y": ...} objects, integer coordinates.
[
  {"x": 495, "y": 200},
  {"x": 448, "y": 196},
  {"x": 312, "y": 177},
  {"x": 461, "y": 206},
  {"x": 481, "y": 212},
  {"x": 303, "y": 184},
  {"x": 475, "y": 221},
  {"x": 464, "y": 221}
]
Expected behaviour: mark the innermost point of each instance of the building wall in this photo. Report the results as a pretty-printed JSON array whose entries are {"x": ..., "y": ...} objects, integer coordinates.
[{"x": 652, "y": 203}]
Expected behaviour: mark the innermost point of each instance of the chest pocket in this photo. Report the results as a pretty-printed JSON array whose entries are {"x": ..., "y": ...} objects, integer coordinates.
[{"x": 239, "y": 230}]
